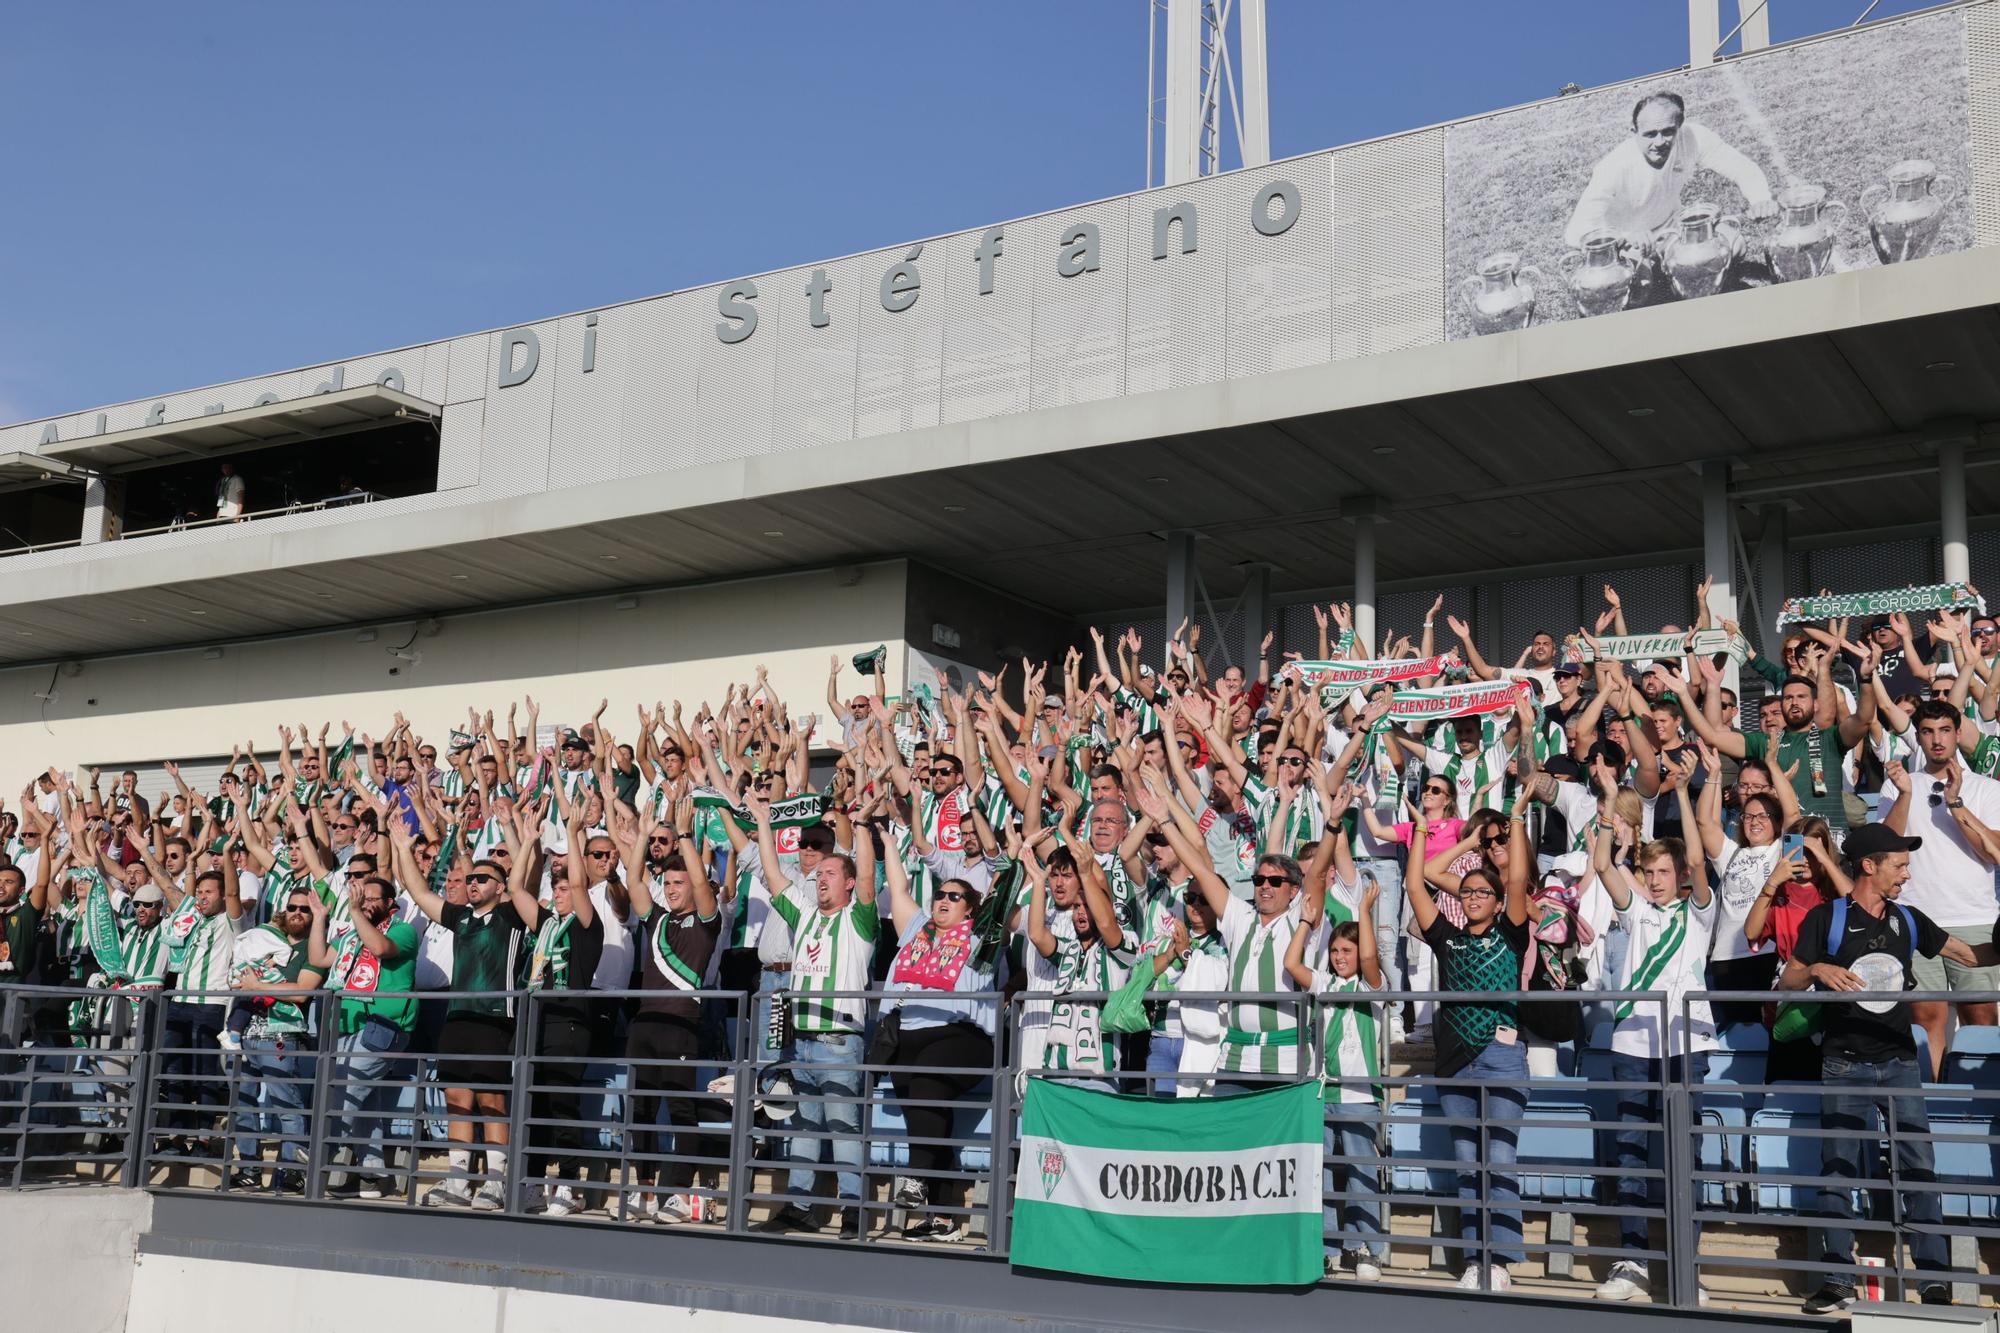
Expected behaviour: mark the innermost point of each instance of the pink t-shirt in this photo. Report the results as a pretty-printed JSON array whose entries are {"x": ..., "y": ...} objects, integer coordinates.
[{"x": 1444, "y": 835}]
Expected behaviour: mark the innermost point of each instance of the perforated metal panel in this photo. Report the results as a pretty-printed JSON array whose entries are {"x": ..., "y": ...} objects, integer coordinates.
[
  {"x": 899, "y": 369},
  {"x": 1982, "y": 59},
  {"x": 816, "y": 366},
  {"x": 367, "y": 370},
  {"x": 1079, "y": 322},
  {"x": 588, "y": 411},
  {"x": 1177, "y": 308},
  {"x": 1983, "y": 551},
  {"x": 1297, "y": 632},
  {"x": 437, "y": 371},
  {"x": 470, "y": 374},
  {"x": 1527, "y": 607},
  {"x": 1404, "y": 613},
  {"x": 988, "y": 344},
  {"x": 514, "y": 449},
  {"x": 1875, "y": 566},
  {"x": 732, "y": 397},
  {"x": 1654, "y": 597},
  {"x": 663, "y": 338},
  {"x": 1387, "y": 247},
  {"x": 458, "y": 444},
  {"x": 1280, "y": 287}
]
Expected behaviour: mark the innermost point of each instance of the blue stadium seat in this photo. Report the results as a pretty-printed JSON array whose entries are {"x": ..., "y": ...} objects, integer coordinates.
[
  {"x": 1414, "y": 1136},
  {"x": 1744, "y": 1037},
  {"x": 1974, "y": 1057},
  {"x": 1961, "y": 1124},
  {"x": 1778, "y": 1154},
  {"x": 1565, "y": 1151}
]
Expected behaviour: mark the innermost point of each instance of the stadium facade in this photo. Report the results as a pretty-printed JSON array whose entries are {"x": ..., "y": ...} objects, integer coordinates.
[{"x": 1224, "y": 398}]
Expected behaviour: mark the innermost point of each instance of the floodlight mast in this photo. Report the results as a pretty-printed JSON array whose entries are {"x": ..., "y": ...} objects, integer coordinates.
[{"x": 1184, "y": 119}]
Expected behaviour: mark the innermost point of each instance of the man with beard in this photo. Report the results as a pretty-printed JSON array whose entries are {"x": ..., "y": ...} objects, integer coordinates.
[{"x": 368, "y": 965}]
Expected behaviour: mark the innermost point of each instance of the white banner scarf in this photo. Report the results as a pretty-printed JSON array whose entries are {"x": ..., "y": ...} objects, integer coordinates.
[
  {"x": 1643, "y": 647},
  {"x": 1455, "y": 701},
  {"x": 1837, "y": 606},
  {"x": 1367, "y": 675}
]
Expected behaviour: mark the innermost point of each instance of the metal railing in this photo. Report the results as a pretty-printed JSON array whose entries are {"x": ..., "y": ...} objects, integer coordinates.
[{"x": 588, "y": 1107}]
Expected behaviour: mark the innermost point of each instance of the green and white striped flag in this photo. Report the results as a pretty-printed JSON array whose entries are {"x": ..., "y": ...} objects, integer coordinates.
[
  {"x": 798, "y": 812},
  {"x": 1131, "y": 1187}
]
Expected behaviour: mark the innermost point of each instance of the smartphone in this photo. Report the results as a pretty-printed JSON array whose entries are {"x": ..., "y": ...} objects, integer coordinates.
[{"x": 1794, "y": 844}]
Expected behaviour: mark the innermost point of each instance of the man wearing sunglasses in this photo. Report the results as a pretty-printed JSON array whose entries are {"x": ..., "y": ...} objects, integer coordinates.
[
  {"x": 476, "y": 1045},
  {"x": 273, "y": 965}
]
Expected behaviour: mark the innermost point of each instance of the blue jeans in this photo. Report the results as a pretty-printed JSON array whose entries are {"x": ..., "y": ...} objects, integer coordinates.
[
  {"x": 1350, "y": 1134},
  {"x": 1164, "y": 1057},
  {"x": 1841, "y": 1157},
  {"x": 365, "y": 1058},
  {"x": 275, "y": 1074},
  {"x": 191, "y": 1068},
  {"x": 1632, "y": 1149},
  {"x": 1387, "y": 872},
  {"x": 829, "y": 1087},
  {"x": 1505, "y": 1067}
]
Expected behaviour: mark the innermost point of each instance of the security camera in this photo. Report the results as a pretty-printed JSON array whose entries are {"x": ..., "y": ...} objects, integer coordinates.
[{"x": 404, "y": 654}]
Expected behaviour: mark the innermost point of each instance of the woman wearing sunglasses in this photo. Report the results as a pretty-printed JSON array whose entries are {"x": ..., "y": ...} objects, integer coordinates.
[{"x": 943, "y": 1043}]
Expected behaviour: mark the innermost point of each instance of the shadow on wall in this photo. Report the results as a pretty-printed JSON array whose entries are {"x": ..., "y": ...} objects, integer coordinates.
[{"x": 730, "y": 624}]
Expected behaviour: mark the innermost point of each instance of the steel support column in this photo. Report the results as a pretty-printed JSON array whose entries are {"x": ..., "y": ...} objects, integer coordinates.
[
  {"x": 1773, "y": 554},
  {"x": 1180, "y": 579},
  {"x": 1362, "y": 515},
  {"x": 1951, "y": 511},
  {"x": 1256, "y": 619}
]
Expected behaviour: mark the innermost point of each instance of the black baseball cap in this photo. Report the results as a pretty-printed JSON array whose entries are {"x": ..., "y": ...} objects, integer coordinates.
[{"x": 1877, "y": 840}]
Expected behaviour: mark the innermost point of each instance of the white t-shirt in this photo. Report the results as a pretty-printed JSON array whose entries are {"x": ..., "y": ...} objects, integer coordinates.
[
  {"x": 1675, "y": 969},
  {"x": 1948, "y": 883},
  {"x": 1743, "y": 871},
  {"x": 614, "y": 963}
]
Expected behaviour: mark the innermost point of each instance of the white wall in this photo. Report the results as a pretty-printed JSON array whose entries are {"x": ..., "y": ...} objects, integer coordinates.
[
  {"x": 66, "y": 1256},
  {"x": 687, "y": 643},
  {"x": 171, "y": 1294}
]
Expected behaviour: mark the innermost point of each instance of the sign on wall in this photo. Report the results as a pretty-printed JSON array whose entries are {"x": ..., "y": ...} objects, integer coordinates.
[{"x": 1818, "y": 158}]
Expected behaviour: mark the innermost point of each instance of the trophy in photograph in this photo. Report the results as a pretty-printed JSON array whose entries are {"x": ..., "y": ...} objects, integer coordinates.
[
  {"x": 1500, "y": 294},
  {"x": 1802, "y": 246},
  {"x": 1600, "y": 278},
  {"x": 1701, "y": 252},
  {"x": 1904, "y": 214}
]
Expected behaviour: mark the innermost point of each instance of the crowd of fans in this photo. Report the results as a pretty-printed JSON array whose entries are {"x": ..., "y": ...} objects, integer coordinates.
[{"x": 1106, "y": 826}]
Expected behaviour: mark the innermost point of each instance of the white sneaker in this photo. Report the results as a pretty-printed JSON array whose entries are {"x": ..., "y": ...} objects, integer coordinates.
[
  {"x": 675, "y": 1208},
  {"x": 563, "y": 1202},
  {"x": 1496, "y": 1276},
  {"x": 1628, "y": 1280},
  {"x": 1366, "y": 1269},
  {"x": 1498, "y": 1279},
  {"x": 641, "y": 1207},
  {"x": 1469, "y": 1279},
  {"x": 448, "y": 1194},
  {"x": 534, "y": 1199},
  {"x": 490, "y": 1198},
  {"x": 368, "y": 1187}
]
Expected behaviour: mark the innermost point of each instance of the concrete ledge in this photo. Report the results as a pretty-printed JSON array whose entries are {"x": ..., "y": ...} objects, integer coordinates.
[{"x": 67, "y": 1255}]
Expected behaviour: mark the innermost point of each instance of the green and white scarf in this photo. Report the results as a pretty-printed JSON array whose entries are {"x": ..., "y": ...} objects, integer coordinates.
[
  {"x": 100, "y": 925},
  {"x": 797, "y": 812},
  {"x": 1841, "y": 606},
  {"x": 548, "y": 967}
]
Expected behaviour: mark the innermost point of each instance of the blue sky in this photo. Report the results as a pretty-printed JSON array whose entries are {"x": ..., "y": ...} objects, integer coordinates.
[{"x": 205, "y": 192}]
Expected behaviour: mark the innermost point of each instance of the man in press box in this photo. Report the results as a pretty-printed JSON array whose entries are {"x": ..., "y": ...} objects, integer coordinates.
[{"x": 1635, "y": 189}]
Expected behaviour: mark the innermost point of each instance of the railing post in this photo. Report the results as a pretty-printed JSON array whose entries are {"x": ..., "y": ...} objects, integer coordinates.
[
  {"x": 139, "y": 1116},
  {"x": 319, "y": 1155},
  {"x": 1677, "y": 1163},
  {"x": 523, "y": 1078},
  {"x": 1000, "y": 1194},
  {"x": 742, "y": 1103}
]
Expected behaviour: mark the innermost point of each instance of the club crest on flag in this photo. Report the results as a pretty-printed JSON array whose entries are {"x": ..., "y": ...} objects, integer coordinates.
[{"x": 1053, "y": 1162}]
